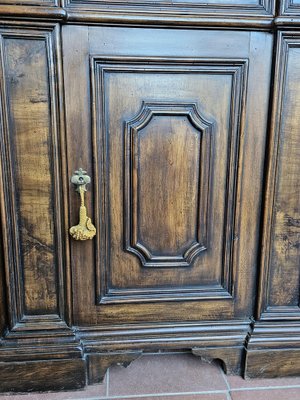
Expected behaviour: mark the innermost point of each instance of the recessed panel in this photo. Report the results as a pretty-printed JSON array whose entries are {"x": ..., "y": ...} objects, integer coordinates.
[
  {"x": 284, "y": 245},
  {"x": 29, "y": 155},
  {"x": 167, "y": 174}
]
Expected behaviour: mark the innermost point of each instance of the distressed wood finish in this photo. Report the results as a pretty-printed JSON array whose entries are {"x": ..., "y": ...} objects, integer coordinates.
[
  {"x": 166, "y": 12},
  {"x": 166, "y": 107},
  {"x": 167, "y": 74},
  {"x": 32, "y": 187},
  {"x": 279, "y": 280},
  {"x": 3, "y": 304},
  {"x": 99, "y": 363},
  {"x": 42, "y": 375},
  {"x": 33, "y": 180}
]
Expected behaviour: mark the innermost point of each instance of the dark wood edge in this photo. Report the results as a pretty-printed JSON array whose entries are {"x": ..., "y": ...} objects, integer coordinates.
[
  {"x": 32, "y": 12},
  {"x": 230, "y": 358},
  {"x": 275, "y": 363},
  {"x": 178, "y": 18},
  {"x": 287, "y": 21},
  {"x": 98, "y": 363},
  {"x": 65, "y": 374},
  {"x": 270, "y": 350},
  {"x": 93, "y": 349},
  {"x": 151, "y": 337},
  {"x": 222, "y": 342},
  {"x": 273, "y": 350}
]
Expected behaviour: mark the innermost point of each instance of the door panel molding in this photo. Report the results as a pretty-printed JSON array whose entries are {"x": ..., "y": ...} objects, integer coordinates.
[
  {"x": 32, "y": 178},
  {"x": 100, "y": 67}
]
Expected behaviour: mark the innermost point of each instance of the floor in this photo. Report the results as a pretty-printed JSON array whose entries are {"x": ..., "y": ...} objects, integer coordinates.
[{"x": 175, "y": 377}]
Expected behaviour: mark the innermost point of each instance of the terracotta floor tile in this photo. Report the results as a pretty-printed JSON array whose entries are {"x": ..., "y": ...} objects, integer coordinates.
[
  {"x": 211, "y": 396},
  {"x": 238, "y": 382},
  {"x": 92, "y": 391},
  {"x": 165, "y": 374},
  {"x": 271, "y": 394}
]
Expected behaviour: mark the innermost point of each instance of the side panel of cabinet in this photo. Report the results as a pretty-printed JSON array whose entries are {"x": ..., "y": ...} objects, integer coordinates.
[
  {"x": 31, "y": 195},
  {"x": 278, "y": 327},
  {"x": 169, "y": 126}
]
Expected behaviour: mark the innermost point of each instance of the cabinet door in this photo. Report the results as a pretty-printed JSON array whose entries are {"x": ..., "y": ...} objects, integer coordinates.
[
  {"x": 170, "y": 124},
  {"x": 274, "y": 344}
]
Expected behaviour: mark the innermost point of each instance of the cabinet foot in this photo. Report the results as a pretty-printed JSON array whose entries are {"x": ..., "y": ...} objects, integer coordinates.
[
  {"x": 99, "y": 363},
  {"x": 230, "y": 358}
]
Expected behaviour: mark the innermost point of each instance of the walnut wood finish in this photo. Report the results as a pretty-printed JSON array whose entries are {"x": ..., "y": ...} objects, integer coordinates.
[
  {"x": 166, "y": 105},
  {"x": 163, "y": 79},
  {"x": 279, "y": 280}
]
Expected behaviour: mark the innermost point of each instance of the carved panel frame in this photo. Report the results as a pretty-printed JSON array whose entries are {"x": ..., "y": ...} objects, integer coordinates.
[
  {"x": 99, "y": 66},
  {"x": 265, "y": 311},
  {"x": 132, "y": 129},
  {"x": 18, "y": 320}
]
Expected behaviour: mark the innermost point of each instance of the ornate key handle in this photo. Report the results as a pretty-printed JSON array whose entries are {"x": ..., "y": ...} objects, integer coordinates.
[{"x": 85, "y": 229}]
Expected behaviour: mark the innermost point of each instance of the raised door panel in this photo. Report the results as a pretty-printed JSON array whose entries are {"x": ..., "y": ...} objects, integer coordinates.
[
  {"x": 282, "y": 220},
  {"x": 168, "y": 131},
  {"x": 165, "y": 192},
  {"x": 31, "y": 178}
]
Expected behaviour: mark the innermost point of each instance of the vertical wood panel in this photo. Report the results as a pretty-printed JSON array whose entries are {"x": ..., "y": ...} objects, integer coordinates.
[
  {"x": 31, "y": 202},
  {"x": 285, "y": 247},
  {"x": 280, "y": 289},
  {"x": 161, "y": 147},
  {"x": 3, "y": 303}
]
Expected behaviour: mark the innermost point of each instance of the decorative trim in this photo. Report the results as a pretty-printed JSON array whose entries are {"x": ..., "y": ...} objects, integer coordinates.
[
  {"x": 286, "y": 40},
  {"x": 262, "y": 7},
  {"x": 163, "y": 336},
  {"x": 289, "y": 7},
  {"x": 19, "y": 321},
  {"x": 172, "y": 16},
  {"x": 131, "y": 229},
  {"x": 273, "y": 350},
  {"x": 99, "y": 67}
]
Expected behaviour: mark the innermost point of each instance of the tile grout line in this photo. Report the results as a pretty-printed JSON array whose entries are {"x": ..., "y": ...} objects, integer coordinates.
[
  {"x": 156, "y": 395},
  {"x": 225, "y": 379},
  {"x": 187, "y": 393},
  {"x": 226, "y": 383},
  {"x": 107, "y": 383},
  {"x": 265, "y": 388},
  {"x": 227, "y": 392},
  {"x": 229, "y": 396}
]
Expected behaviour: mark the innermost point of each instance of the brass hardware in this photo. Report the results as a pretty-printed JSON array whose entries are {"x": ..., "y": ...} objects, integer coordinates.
[{"x": 85, "y": 229}]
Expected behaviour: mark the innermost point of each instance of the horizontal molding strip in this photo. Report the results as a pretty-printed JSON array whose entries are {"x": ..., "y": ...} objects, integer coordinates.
[{"x": 137, "y": 18}]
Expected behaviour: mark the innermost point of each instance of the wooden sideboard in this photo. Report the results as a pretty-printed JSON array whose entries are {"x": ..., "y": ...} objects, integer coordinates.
[{"x": 186, "y": 117}]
